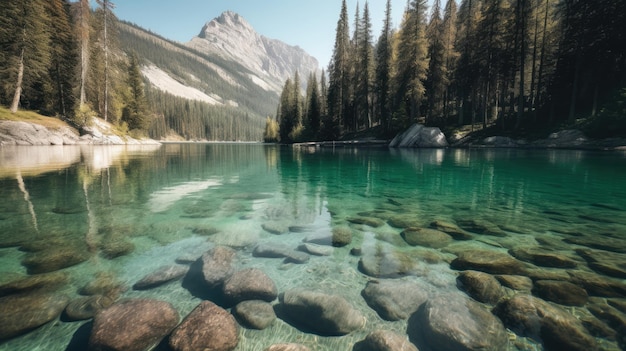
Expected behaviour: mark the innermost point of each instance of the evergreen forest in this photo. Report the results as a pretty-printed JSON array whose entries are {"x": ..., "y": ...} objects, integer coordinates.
[
  {"x": 74, "y": 61},
  {"x": 515, "y": 66}
]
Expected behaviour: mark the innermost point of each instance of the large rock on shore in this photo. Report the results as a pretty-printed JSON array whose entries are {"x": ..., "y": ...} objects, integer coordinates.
[
  {"x": 22, "y": 313},
  {"x": 207, "y": 327},
  {"x": 327, "y": 315},
  {"x": 420, "y": 136},
  {"x": 132, "y": 325},
  {"x": 457, "y": 323}
]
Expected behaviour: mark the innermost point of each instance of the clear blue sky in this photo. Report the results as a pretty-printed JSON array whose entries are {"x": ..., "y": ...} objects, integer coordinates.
[{"x": 308, "y": 24}]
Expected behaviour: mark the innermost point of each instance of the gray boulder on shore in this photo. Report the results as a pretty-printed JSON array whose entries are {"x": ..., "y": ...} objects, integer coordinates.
[{"x": 420, "y": 136}]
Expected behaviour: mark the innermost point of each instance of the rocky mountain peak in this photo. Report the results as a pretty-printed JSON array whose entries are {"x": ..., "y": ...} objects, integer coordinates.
[{"x": 269, "y": 61}]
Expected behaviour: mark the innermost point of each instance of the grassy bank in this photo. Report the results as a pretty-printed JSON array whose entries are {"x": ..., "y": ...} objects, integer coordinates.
[{"x": 31, "y": 117}]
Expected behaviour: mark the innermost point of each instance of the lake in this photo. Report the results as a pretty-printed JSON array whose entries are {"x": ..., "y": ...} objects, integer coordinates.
[{"x": 551, "y": 224}]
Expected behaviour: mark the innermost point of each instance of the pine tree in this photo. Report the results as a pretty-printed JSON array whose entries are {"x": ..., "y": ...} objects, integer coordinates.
[
  {"x": 450, "y": 54},
  {"x": 365, "y": 71},
  {"x": 286, "y": 118},
  {"x": 63, "y": 58},
  {"x": 271, "y": 134},
  {"x": 436, "y": 81},
  {"x": 82, "y": 17},
  {"x": 25, "y": 47},
  {"x": 313, "y": 109},
  {"x": 384, "y": 53},
  {"x": 412, "y": 63},
  {"x": 135, "y": 113},
  {"x": 339, "y": 79},
  {"x": 108, "y": 19}
]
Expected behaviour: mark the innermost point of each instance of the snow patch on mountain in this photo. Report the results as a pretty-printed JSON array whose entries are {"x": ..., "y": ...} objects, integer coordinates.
[{"x": 162, "y": 81}]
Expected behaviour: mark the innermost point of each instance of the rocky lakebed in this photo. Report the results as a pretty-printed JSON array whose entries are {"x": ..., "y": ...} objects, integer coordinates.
[{"x": 380, "y": 280}]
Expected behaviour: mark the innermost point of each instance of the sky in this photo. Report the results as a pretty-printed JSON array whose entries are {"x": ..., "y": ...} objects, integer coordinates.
[{"x": 310, "y": 25}]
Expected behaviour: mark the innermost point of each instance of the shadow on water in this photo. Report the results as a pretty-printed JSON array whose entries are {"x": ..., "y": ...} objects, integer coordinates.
[
  {"x": 415, "y": 330},
  {"x": 194, "y": 282},
  {"x": 80, "y": 339}
]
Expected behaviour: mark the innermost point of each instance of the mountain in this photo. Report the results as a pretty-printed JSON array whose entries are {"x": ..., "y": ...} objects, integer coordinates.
[
  {"x": 219, "y": 86},
  {"x": 270, "y": 61}
]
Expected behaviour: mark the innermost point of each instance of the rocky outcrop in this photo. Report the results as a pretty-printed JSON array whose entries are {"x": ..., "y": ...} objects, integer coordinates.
[
  {"x": 327, "y": 315},
  {"x": 26, "y": 133},
  {"x": 420, "y": 136},
  {"x": 132, "y": 325}
]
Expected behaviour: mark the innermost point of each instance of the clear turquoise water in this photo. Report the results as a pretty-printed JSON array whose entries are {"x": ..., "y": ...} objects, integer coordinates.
[{"x": 159, "y": 198}]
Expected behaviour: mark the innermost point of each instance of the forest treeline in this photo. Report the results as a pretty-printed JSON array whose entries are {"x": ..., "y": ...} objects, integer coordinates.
[
  {"x": 512, "y": 64},
  {"x": 70, "y": 60}
]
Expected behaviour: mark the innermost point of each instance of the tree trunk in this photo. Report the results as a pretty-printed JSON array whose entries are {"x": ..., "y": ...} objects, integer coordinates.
[{"x": 18, "y": 86}]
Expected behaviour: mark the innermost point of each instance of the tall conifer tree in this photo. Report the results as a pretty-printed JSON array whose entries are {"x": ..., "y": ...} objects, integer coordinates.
[
  {"x": 339, "y": 78},
  {"x": 383, "y": 70}
]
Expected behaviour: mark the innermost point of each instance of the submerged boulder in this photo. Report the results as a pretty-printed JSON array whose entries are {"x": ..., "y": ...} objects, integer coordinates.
[
  {"x": 487, "y": 261},
  {"x": 250, "y": 284},
  {"x": 207, "y": 327},
  {"x": 255, "y": 314},
  {"x": 482, "y": 287},
  {"x": 382, "y": 260},
  {"x": 420, "y": 136},
  {"x": 384, "y": 340},
  {"x": 86, "y": 307},
  {"x": 395, "y": 299},
  {"x": 564, "y": 293},
  {"x": 327, "y": 315},
  {"x": 288, "y": 347},
  {"x": 553, "y": 326},
  {"x": 22, "y": 313},
  {"x": 457, "y": 323},
  {"x": 161, "y": 276},
  {"x": 132, "y": 325},
  {"x": 217, "y": 265}
]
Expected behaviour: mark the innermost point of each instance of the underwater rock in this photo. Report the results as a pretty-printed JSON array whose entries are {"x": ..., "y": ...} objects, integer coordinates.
[
  {"x": 319, "y": 239},
  {"x": 205, "y": 231},
  {"x": 54, "y": 259},
  {"x": 384, "y": 340},
  {"x": 385, "y": 261},
  {"x": 515, "y": 282},
  {"x": 482, "y": 287},
  {"x": 207, "y": 327},
  {"x": 481, "y": 226},
  {"x": 597, "y": 285},
  {"x": 563, "y": 293},
  {"x": 276, "y": 227},
  {"x": 116, "y": 247},
  {"x": 287, "y": 347},
  {"x": 45, "y": 282},
  {"x": 161, "y": 276},
  {"x": 451, "y": 229},
  {"x": 217, "y": 265},
  {"x": 426, "y": 237},
  {"x": 404, "y": 221},
  {"x": 255, "y": 314},
  {"x": 86, "y": 307},
  {"x": 605, "y": 262},
  {"x": 342, "y": 236},
  {"x": 599, "y": 242},
  {"x": 250, "y": 284},
  {"x": 22, "y": 313},
  {"x": 105, "y": 284},
  {"x": 394, "y": 300},
  {"x": 620, "y": 304},
  {"x": 317, "y": 250},
  {"x": 132, "y": 325},
  {"x": 454, "y": 322},
  {"x": 542, "y": 257},
  {"x": 276, "y": 250},
  {"x": 487, "y": 261},
  {"x": 236, "y": 238},
  {"x": 553, "y": 326},
  {"x": 368, "y": 221},
  {"x": 327, "y": 315}
]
